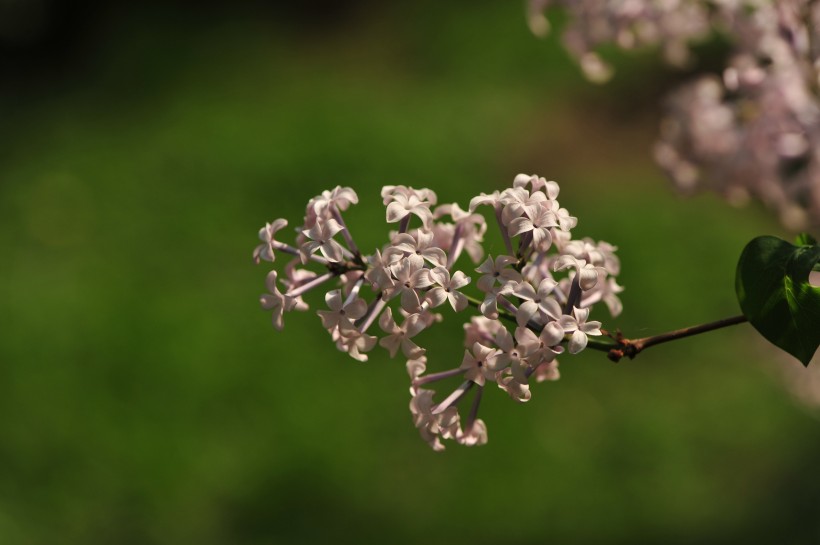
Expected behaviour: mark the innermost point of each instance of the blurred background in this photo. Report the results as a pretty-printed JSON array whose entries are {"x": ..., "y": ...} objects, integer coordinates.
[{"x": 145, "y": 397}]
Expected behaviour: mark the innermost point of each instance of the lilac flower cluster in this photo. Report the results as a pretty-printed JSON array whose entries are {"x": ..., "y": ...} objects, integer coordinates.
[
  {"x": 629, "y": 24},
  {"x": 535, "y": 304},
  {"x": 753, "y": 132}
]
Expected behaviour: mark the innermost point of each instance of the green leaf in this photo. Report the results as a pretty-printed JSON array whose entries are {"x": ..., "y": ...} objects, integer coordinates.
[{"x": 773, "y": 289}]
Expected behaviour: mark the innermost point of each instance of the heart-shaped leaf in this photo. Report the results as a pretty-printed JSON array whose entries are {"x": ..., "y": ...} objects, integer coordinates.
[{"x": 774, "y": 292}]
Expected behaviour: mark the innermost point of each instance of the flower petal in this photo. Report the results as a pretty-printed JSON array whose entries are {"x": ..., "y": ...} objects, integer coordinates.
[
  {"x": 395, "y": 212},
  {"x": 525, "y": 312},
  {"x": 552, "y": 334},
  {"x": 440, "y": 276},
  {"x": 577, "y": 342},
  {"x": 436, "y": 296},
  {"x": 409, "y": 300},
  {"x": 334, "y": 300},
  {"x": 458, "y": 300}
]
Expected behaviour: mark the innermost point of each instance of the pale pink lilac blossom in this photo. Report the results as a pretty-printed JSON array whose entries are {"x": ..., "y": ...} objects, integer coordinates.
[
  {"x": 446, "y": 288},
  {"x": 265, "y": 251},
  {"x": 399, "y": 337},
  {"x": 752, "y": 131},
  {"x": 579, "y": 327},
  {"x": 402, "y": 283},
  {"x": 320, "y": 237}
]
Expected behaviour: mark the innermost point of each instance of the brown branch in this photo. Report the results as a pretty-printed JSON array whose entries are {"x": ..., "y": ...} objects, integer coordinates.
[{"x": 631, "y": 348}]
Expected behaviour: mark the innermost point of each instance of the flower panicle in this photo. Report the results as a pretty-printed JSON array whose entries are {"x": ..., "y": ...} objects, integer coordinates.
[
  {"x": 747, "y": 132},
  {"x": 537, "y": 296}
]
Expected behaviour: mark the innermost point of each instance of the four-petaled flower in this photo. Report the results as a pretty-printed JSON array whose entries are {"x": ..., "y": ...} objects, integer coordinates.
[
  {"x": 340, "y": 198},
  {"x": 420, "y": 243},
  {"x": 489, "y": 307},
  {"x": 538, "y": 183},
  {"x": 587, "y": 273},
  {"x": 474, "y": 435},
  {"x": 341, "y": 314},
  {"x": 519, "y": 391},
  {"x": 511, "y": 355},
  {"x": 321, "y": 238},
  {"x": 518, "y": 202},
  {"x": 410, "y": 275},
  {"x": 265, "y": 250},
  {"x": 579, "y": 327},
  {"x": 538, "y": 226},
  {"x": 274, "y": 300},
  {"x": 536, "y": 300},
  {"x": 432, "y": 427},
  {"x": 399, "y": 336},
  {"x": 354, "y": 342},
  {"x": 445, "y": 288},
  {"x": 403, "y": 205},
  {"x": 498, "y": 271},
  {"x": 378, "y": 272},
  {"x": 478, "y": 364}
]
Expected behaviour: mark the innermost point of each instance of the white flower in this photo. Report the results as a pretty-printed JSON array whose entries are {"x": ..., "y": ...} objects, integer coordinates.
[
  {"x": 274, "y": 300},
  {"x": 475, "y": 435},
  {"x": 547, "y": 371},
  {"x": 340, "y": 198},
  {"x": 399, "y": 337},
  {"x": 512, "y": 356},
  {"x": 587, "y": 273},
  {"x": 498, "y": 271},
  {"x": 402, "y": 205},
  {"x": 421, "y": 244},
  {"x": 519, "y": 202},
  {"x": 410, "y": 275},
  {"x": 538, "y": 226},
  {"x": 295, "y": 277},
  {"x": 416, "y": 367},
  {"x": 389, "y": 193},
  {"x": 354, "y": 342},
  {"x": 537, "y": 183},
  {"x": 378, "y": 271},
  {"x": 432, "y": 427},
  {"x": 321, "y": 239},
  {"x": 536, "y": 300},
  {"x": 579, "y": 327},
  {"x": 446, "y": 288},
  {"x": 266, "y": 234},
  {"x": 519, "y": 391},
  {"x": 489, "y": 307},
  {"x": 565, "y": 221},
  {"x": 478, "y": 364},
  {"x": 466, "y": 235},
  {"x": 543, "y": 346},
  {"x": 493, "y": 199},
  {"x": 341, "y": 314},
  {"x": 480, "y": 329}
]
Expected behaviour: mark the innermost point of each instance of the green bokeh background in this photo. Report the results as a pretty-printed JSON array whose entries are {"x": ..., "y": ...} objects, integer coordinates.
[{"x": 146, "y": 399}]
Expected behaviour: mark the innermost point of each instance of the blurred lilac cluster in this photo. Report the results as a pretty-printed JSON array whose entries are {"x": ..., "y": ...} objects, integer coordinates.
[
  {"x": 750, "y": 133},
  {"x": 535, "y": 302}
]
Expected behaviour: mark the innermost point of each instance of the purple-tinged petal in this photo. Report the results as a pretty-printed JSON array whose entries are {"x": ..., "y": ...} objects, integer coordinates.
[
  {"x": 409, "y": 300},
  {"x": 440, "y": 276},
  {"x": 577, "y": 342},
  {"x": 436, "y": 297},
  {"x": 552, "y": 334},
  {"x": 458, "y": 301},
  {"x": 395, "y": 212},
  {"x": 525, "y": 312},
  {"x": 334, "y": 300}
]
